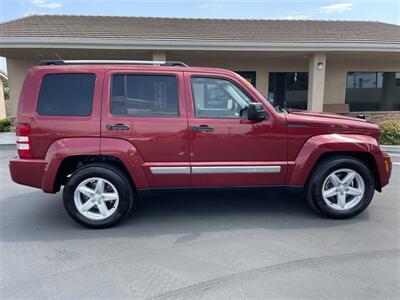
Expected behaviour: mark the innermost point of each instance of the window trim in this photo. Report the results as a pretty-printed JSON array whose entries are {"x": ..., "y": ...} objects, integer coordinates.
[
  {"x": 220, "y": 78},
  {"x": 66, "y": 73},
  {"x": 125, "y": 91}
]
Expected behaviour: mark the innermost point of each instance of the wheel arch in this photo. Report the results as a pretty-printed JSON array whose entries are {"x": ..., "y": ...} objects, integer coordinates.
[
  {"x": 318, "y": 148},
  {"x": 73, "y": 163},
  {"x": 365, "y": 157},
  {"x": 65, "y": 155}
]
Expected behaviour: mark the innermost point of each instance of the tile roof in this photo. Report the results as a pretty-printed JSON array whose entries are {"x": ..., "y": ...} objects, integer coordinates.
[{"x": 172, "y": 29}]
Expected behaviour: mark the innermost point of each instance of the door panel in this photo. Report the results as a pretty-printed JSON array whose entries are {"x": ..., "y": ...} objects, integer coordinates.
[
  {"x": 162, "y": 140},
  {"x": 234, "y": 151}
]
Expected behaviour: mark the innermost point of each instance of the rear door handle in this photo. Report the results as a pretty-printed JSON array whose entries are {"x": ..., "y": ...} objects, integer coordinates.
[
  {"x": 202, "y": 128},
  {"x": 117, "y": 127}
]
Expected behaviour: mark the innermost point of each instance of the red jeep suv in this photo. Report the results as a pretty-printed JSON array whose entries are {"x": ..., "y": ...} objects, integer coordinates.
[{"x": 107, "y": 130}]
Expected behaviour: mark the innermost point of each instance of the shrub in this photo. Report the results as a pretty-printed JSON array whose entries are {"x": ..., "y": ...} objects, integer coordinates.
[
  {"x": 5, "y": 125},
  {"x": 390, "y": 132}
]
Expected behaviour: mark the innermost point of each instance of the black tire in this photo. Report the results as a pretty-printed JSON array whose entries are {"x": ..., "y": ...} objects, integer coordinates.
[
  {"x": 108, "y": 172},
  {"x": 322, "y": 171}
]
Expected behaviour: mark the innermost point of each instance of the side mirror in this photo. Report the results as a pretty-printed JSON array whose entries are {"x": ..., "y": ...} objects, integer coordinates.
[{"x": 256, "y": 112}]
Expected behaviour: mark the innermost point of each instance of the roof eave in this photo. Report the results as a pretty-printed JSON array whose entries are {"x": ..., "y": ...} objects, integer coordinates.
[{"x": 210, "y": 45}]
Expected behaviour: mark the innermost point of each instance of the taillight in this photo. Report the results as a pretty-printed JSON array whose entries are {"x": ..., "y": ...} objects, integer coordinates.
[{"x": 24, "y": 140}]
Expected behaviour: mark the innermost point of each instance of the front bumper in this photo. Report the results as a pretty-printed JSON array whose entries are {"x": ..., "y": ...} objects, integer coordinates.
[{"x": 384, "y": 164}]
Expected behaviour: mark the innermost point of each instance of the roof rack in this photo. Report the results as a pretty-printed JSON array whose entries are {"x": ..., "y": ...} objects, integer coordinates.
[{"x": 168, "y": 63}]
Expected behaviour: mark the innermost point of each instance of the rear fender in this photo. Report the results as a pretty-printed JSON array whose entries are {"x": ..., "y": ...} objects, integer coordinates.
[
  {"x": 61, "y": 149},
  {"x": 301, "y": 168},
  {"x": 121, "y": 149}
]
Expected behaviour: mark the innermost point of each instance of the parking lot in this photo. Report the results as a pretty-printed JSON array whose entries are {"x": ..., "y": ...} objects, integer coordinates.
[{"x": 199, "y": 246}]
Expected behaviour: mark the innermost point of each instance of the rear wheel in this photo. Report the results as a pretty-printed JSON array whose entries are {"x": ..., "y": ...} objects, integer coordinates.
[
  {"x": 340, "y": 187},
  {"x": 98, "y": 195}
]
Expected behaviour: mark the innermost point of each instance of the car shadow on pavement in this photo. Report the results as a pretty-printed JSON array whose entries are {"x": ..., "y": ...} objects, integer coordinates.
[{"x": 36, "y": 216}]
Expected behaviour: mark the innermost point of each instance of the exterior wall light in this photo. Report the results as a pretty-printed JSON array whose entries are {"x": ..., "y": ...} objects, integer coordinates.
[{"x": 320, "y": 66}]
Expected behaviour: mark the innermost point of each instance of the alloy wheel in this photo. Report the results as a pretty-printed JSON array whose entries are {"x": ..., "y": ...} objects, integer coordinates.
[
  {"x": 343, "y": 189},
  {"x": 96, "y": 198}
]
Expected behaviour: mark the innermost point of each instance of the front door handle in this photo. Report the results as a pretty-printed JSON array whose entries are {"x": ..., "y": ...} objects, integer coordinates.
[
  {"x": 117, "y": 127},
  {"x": 202, "y": 128}
]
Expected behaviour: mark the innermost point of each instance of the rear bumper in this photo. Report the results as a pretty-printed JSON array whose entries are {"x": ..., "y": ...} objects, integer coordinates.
[{"x": 28, "y": 171}]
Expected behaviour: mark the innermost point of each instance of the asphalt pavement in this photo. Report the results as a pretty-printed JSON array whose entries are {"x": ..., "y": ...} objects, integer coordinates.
[{"x": 261, "y": 245}]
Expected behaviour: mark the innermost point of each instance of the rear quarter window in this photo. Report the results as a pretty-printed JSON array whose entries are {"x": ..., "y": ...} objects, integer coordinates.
[{"x": 66, "y": 95}]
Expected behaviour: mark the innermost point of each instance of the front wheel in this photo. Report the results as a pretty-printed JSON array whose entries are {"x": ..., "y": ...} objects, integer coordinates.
[
  {"x": 340, "y": 187},
  {"x": 98, "y": 195}
]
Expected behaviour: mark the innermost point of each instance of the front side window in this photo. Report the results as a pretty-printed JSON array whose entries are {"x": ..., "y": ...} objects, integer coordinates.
[
  {"x": 217, "y": 98},
  {"x": 66, "y": 95},
  {"x": 144, "y": 95}
]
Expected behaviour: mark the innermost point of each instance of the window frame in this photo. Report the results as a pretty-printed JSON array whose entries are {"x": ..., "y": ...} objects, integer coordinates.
[
  {"x": 66, "y": 73},
  {"x": 178, "y": 115},
  {"x": 217, "y": 78}
]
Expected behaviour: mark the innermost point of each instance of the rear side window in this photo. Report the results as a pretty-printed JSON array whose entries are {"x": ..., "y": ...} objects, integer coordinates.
[
  {"x": 66, "y": 95},
  {"x": 144, "y": 95}
]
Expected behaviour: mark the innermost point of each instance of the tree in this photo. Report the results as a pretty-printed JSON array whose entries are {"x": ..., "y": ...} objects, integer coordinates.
[{"x": 6, "y": 90}]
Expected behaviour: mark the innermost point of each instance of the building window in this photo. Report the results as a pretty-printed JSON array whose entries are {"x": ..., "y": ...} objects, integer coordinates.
[
  {"x": 373, "y": 91},
  {"x": 288, "y": 89},
  {"x": 250, "y": 76},
  {"x": 66, "y": 95},
  {"x": 144, "y": 96}
]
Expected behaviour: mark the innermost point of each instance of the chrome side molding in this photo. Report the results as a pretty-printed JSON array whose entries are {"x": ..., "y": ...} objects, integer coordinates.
[
  {"x": 170, "y": 170},
  {"x": 235, "y": 169},
  {"x": 215, "y": 170}
]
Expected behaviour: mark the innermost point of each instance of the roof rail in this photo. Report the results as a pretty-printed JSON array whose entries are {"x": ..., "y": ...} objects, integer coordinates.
[{"x": 168, "y": 63}]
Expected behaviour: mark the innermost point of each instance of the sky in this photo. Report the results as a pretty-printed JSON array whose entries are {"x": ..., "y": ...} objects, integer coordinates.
[{"x": 387, "y": 11}]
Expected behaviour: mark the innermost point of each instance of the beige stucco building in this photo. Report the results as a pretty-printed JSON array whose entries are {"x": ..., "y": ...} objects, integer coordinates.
[{"x": 317, "y": 65}]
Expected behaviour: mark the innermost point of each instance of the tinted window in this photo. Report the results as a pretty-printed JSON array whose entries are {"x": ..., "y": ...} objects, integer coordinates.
[
  {"x": 288, "y": 89},
  {"x": 373, "y": 91},
  {"x": 217, "y": 98},
  {"x": 66, "y": 95},
  {"x": 144, "y": 96}
]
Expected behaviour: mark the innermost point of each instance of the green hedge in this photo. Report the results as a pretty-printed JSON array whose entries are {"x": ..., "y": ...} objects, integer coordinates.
[
  {"x": 5, "y": 125},
  {"x": 390, "y": 132}
]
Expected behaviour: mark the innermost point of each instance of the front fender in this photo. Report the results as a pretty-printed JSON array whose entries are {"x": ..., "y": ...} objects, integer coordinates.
[{"x": 300, "y": 169}]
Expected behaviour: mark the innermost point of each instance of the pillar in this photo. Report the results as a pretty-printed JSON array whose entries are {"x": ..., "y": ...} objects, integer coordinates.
[{"x": 316, "y": 82}]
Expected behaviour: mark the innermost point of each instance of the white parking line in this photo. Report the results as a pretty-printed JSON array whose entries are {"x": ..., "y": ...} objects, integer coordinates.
[
  {"x": 396, "y": 163},
  {"x": 391, "y": 154}
]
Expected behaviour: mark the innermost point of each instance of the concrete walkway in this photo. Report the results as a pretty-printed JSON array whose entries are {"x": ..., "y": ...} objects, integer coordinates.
[
  {"x": 7, "y": 138},
  {"x": 388, "y": 148}
]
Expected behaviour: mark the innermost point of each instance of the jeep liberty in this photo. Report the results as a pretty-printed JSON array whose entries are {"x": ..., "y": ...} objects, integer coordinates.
[{"x": 107, "y": 130}]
